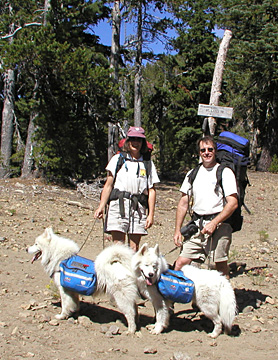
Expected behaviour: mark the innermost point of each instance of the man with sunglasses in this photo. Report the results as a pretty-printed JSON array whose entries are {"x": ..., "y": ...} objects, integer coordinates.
[{"x": 210, "y": 210}]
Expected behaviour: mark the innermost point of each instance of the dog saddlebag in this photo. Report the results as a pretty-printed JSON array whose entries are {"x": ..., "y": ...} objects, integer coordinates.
[
  {"x": 173, "y": 285},
  {"x": 78, "y": 274}
]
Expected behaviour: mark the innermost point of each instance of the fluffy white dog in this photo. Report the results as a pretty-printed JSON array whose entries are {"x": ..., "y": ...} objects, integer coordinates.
[
  {"x": 112, "y": 266},
  {"x": 213, "y": 293}
]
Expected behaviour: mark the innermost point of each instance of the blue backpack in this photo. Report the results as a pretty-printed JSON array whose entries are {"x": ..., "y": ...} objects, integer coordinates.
[
  {"x": 78, "y": 274},
  {"x": 173, "y": 285}
]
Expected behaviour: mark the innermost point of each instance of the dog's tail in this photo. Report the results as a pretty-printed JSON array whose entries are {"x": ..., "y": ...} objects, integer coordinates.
[
  {"x": 228, "y": 306},
  {"x": 113, "y": 267}
]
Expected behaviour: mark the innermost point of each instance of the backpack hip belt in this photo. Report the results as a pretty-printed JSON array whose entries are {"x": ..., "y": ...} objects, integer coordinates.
[
  {"x": 201, "y": 218},
  {"x": 116, "y": 194}
]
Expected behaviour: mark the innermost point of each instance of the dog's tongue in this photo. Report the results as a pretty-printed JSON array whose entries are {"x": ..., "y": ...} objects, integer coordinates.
[
  {"x": 36, "y": 256},
  {"x": 148, "y": 281}
]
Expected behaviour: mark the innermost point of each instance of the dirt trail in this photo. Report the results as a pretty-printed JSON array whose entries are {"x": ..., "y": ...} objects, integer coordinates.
[{"x": 29, "y": 301}]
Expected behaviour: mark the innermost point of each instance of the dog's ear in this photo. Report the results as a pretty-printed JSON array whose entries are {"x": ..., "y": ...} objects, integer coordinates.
[
  {"x": 143, "y": 249},
  {"x": 156, "y": 250},
  {"x": 48, "y": 232}
]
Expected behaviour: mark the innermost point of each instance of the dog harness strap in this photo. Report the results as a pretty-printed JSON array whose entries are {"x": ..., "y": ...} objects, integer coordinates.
[{"x": 52, "y": 275}]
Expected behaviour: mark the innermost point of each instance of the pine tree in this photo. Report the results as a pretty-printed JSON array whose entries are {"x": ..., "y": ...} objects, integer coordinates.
[
  {"x": 252, "y": 70},
  {"x": 63, "y": 78},
  {"x": 190, "y": 74}
]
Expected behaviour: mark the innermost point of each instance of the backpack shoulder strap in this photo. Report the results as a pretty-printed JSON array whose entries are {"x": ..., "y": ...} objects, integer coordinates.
[
  {"x": 219, "y": 172},
  {"x": 121, "y": 160},
  {"x": 191, "y": 178},
  {"x": 193, "y": 174},
  {"x": 148, "y": 167}
]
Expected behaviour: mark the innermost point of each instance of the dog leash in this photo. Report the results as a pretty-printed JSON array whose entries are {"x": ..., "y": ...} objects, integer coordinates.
[
  {"x": 172, "y": 250},
  {"x": 88, "y": 235},
  {"x": 102, "y": 233}
]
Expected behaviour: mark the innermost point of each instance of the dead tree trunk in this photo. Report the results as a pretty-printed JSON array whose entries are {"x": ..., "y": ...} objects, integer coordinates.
[
  {"x": 113, "y": 134},
  {"x": 269, "y": 137},
  {"x": 7, "y": 124},
  {"x": 27, "y": 170},
  {"x": 138, "y": 71},
  {"x": 218, "y": 76},
  {"x": 28, "y": 163}
]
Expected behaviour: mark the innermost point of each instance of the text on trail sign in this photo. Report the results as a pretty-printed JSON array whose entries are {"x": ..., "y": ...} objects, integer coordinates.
[{"x": 215, "y": 111}]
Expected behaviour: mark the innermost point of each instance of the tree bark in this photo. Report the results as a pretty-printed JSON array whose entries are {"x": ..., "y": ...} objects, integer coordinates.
[
  {"x": 46, "y": 8},
  {"x": 138, "y": 71},
  {"x": 269, "y": 145},
  {"x": 28, "y": 163},
  {"x": 7, "y": 123},
  {"x": 113, "y": 133},
  {"x": 27, "y": 170},
  {"x": 218, "y": 76}
]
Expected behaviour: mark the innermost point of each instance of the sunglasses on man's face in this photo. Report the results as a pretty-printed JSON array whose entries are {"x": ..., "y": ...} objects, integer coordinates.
[{"x": 210, "y": 149}]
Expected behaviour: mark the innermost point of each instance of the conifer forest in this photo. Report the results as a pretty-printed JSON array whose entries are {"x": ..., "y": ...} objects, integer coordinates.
[{"x": 67, "y": 97}]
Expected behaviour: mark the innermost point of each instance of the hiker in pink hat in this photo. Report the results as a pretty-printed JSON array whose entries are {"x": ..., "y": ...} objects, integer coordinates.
[{"x": 129, "y": 190}]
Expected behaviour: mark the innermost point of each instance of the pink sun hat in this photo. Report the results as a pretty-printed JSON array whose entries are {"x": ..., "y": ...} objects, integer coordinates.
[{"x": 135, "y": 131}]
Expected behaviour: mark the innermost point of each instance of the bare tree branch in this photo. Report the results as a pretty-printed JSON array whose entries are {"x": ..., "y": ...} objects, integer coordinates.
[{"x": 20, "y": 28}]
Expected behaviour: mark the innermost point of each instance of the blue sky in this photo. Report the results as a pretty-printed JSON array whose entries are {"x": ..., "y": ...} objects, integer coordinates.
[{"x": 103, "y": 30}]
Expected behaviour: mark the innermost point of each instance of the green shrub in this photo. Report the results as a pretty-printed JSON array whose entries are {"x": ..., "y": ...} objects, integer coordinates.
[{"x": 274, "y": 165}]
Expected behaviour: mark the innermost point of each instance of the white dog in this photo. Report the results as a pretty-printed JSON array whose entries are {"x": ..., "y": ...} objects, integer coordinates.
[
  {"x": 112, "y": 266},
  {"x": 213, "y": 293}
]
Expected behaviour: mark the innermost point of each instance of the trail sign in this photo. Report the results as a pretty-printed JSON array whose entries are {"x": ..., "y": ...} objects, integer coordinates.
[{"x": 215, "y": 111}]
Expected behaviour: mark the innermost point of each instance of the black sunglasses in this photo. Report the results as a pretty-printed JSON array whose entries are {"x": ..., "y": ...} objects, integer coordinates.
[
  {"x": 134, "y": 138},
  {"x": 208, "y": 149}
]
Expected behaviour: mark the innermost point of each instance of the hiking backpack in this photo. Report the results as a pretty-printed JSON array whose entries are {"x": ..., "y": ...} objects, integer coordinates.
[
  {"x": 232, "y": 152},
  {"x": 123, "y": 157}
]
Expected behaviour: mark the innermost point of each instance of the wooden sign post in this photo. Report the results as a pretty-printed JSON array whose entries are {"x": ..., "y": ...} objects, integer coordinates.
[{"x": 217, "y": 77}]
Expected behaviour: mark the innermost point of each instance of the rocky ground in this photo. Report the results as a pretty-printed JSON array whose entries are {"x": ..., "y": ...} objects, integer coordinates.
[{"x": 29, "y": 301}]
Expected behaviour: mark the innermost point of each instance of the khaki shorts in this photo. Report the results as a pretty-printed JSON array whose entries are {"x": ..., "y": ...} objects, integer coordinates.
[
  {"x": 217, "y": 246},
  {"x": 133, "y": 222}
]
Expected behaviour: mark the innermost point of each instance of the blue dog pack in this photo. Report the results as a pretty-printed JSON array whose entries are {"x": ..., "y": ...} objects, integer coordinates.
[
  {"x": 78, "y": 274},
  {"x": 173, "y": 285}
]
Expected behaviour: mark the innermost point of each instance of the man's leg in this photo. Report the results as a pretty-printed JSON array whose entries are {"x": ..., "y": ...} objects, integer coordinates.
[
  {"x": 222, "y": 238},
  {"x": 224, "y": 268},
  {"x": 181, "y": 261},
  {"x": 191, "y": 250}
]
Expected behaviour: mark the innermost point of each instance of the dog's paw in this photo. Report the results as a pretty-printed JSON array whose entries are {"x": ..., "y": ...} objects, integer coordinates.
[
  {"x": 60, "y": 317},
  {"x": 213, "y": 335},
  {"x": 155, "y": 329},
  {"x": 131, "y": 330}
]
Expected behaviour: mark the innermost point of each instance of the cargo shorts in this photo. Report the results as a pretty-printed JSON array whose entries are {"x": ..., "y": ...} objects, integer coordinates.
[
  {"x": 216, "y": 247},
  {"x": 133, "y": 222}
]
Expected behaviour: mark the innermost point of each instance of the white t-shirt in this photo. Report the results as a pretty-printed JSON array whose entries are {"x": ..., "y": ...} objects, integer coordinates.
[
  {"x": 132, "y": 176},
  {"x": 206, "y": 201}
]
